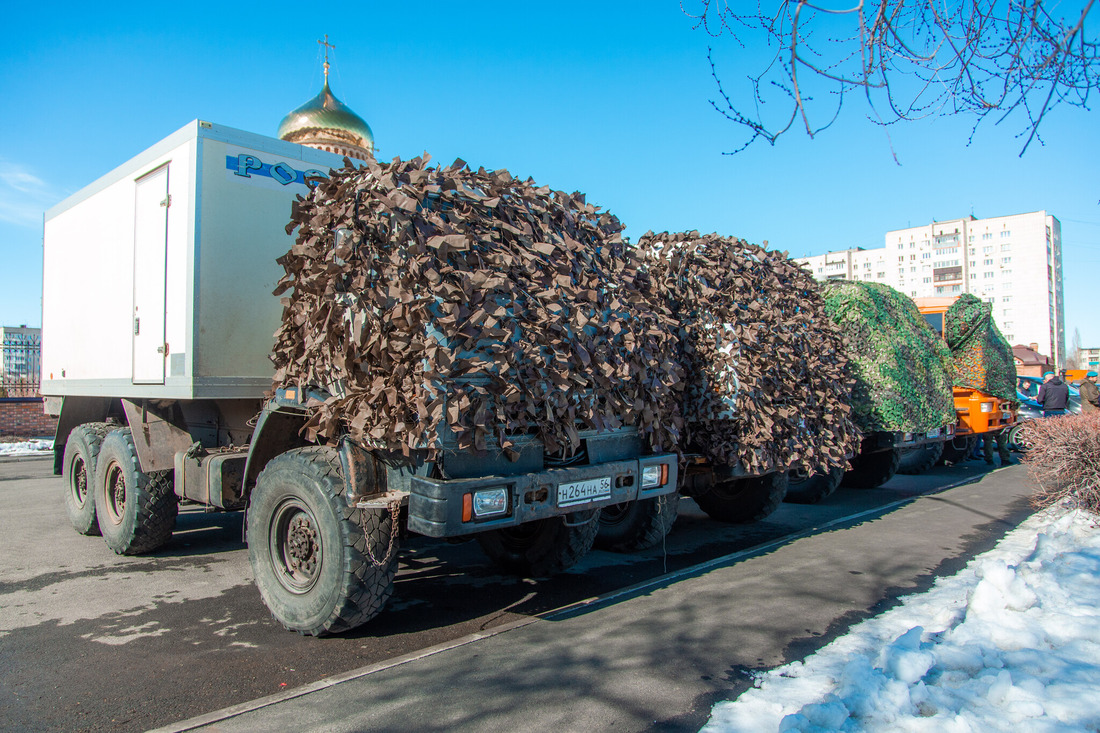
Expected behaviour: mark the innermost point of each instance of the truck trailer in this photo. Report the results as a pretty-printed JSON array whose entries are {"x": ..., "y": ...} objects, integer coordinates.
[{"x": 158, "y": 322}]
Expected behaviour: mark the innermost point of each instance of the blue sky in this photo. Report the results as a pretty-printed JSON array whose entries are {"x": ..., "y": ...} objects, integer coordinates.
[{"x": 607, "y": 98}]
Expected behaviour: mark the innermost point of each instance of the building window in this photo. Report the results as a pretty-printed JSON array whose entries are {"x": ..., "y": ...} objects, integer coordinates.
[
  {"x": 1006, "y": 247},
  {"x": 1006, "y": 299},
  {"x": 987, "y": 235},
  {"x": 901, "y": 259},
  {"x": 987, "y": 275},
  {"x": 1006, "y": 234},
  {"x": 956, "y": 288},
  {"x": 1006, "y": 260},
  {"x": 988, "y": 262},
  {"x": 927, "y": 279},
  {"x": 987, "y": 250},
  {"x": 912, "y": 269},
  {"x": 926, "y": 255},
  {"x": 973, "y": 276},
  {"x": 1006, "y": 272}
]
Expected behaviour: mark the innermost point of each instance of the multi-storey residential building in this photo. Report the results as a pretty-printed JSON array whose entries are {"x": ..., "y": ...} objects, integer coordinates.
[
  {"x": 1013, "y": 262},
  {"x": 1090, "y": 359}
]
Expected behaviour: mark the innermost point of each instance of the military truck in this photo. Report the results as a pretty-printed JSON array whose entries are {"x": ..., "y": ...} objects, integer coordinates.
[{"x": 158, "y": 317}]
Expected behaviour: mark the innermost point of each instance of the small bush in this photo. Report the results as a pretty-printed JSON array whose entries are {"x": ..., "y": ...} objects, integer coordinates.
[{"x": 1064, "y": 460}]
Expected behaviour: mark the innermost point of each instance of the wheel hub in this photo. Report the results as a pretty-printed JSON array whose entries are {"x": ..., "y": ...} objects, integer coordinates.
[
  {"x": 297, "y": 550},
  {"x": 302, "y": 545},
  {"x": 80, "y": 482}
]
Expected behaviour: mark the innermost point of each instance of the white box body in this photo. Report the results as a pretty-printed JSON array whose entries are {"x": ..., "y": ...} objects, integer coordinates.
[{"x": 158, "y": 277}]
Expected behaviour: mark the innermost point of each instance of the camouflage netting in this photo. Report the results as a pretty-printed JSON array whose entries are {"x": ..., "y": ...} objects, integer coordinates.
[
  {"x": 983, "y": 359},
  {"x": 902, "y": 367},
  {"x": 470, "y": 302},
  {"x": 768, "y": 381}
]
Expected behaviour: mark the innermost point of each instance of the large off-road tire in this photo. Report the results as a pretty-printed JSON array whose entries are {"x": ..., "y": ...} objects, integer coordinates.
[
  {"x": 916, "y": 461},
  {"x": 544, "y": 547},
  {"x": 871, "y": 470},
  {"x": 804, "y": 489},
  {"x": 81, "y": 452},
  {"x": 958, "y": 450},
  {"x": 743, "y": 500},
  {"x": 136, "y": 511},
  {"x": 321, "y": 566},
  {"x": 637, "y": 525}
]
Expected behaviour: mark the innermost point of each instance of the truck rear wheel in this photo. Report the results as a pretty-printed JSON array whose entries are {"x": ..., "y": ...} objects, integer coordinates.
[
  {"x": 637, "y": 525},
  {"x": 136, "y": 511},
  {"x": 914, "y": 461},
  {"x": 543, "y": 547},
  {"x": 321, "y": 566},
  {"x": 743, "y": 500},
  {"x": 81, "y": 451},
  {"x": 871, "y": 470},
  {"x": 809, "y": 489}
]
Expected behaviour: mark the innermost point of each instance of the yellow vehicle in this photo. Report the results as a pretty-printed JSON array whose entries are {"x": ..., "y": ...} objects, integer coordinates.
[{"x": 977, "y": 412}]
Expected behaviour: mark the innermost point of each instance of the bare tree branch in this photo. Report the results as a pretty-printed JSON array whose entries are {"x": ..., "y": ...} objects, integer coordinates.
[{"x": 912, "y": 59}]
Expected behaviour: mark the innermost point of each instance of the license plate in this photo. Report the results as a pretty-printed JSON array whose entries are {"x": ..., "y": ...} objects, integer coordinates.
[
  {"x": 934, "y": 433},
  {"x": 583, "y": 492}
]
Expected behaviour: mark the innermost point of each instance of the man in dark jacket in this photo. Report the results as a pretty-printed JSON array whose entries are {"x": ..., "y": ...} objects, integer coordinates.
[
  {"x": 1053, "y": 396},
  {"x": 1090, "y": 394}
]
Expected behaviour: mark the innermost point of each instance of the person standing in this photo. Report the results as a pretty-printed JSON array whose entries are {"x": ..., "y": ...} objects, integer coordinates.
[
  {"x": 1090, "y": 394},
  {"x": 1053, "y": 396}
]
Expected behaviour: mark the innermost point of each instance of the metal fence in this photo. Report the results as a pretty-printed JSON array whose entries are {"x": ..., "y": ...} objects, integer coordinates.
[{"x": 21, "y": 364}]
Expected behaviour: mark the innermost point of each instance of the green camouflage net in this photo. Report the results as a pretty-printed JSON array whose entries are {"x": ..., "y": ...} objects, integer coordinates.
[
  {"x": 902, "y": 368},
  {"x": 983, "y": 359}
]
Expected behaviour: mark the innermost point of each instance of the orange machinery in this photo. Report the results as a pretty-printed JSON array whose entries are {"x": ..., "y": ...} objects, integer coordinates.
[{"x": 976, "y": 412}]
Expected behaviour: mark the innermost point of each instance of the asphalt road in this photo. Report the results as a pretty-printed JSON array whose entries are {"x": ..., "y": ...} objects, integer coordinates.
[{"x": 91, "y": 640}]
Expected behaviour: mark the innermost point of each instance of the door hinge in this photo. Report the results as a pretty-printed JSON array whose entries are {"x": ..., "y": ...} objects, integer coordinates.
[{"x": 167, "y": 201}]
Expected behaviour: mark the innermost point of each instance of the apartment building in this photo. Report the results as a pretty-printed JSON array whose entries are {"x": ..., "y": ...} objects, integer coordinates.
[{"x": 1013, "y": 262}]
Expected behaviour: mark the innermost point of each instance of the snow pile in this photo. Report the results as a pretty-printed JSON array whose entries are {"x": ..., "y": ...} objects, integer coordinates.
[
  {"x": 1010, "y": 643},
  {"x": 27, "y": 447}
]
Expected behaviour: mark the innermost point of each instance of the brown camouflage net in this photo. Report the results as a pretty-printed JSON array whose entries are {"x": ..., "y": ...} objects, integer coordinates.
[
  {"x": 473, "y": 304},
  {"x": 768, "y": 380}
]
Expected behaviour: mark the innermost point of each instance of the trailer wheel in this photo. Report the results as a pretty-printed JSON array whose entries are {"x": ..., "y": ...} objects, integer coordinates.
[
  {"x": 744, "y": 499},
  {"x": 634, "y": 526},
  {"x": 136, "y": 511},
  {"x": 806, "y": 489},
  {"x": 914, "y": 461},
  {"x": 544, "y": 547},
  {"x": 871, "y": 470},
  {"x": 81, "y": 452},
  {"x": 958, "y": 449},
  {"x": 321, "y": 566}
]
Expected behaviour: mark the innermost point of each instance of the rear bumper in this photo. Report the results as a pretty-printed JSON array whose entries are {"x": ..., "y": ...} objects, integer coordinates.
[{"x": 436, "y": 506}]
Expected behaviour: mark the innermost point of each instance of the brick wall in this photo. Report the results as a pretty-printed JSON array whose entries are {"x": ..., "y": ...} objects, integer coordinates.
[{"x": 22, "y": 417}]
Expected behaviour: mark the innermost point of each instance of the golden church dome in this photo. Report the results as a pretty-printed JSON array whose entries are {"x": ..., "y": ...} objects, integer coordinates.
[{"x": 326, "y": 123}]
